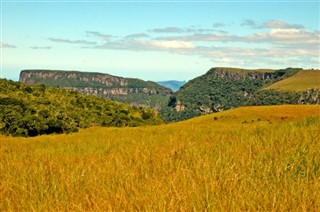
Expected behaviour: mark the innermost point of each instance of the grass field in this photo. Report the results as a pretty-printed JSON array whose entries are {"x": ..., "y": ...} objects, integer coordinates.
[
  {"x": 247, "y": 159},
  {"x": 303, "y": 80}
]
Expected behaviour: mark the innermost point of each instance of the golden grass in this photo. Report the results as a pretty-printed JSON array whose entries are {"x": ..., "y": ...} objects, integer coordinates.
[
  {"x": 303, "y": 80},
  {"x": 251, "y": 158}
]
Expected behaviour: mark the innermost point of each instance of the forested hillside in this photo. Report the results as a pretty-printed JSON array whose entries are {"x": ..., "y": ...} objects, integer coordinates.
[
  {"x": 225, "y": 88},
  {"x": 30, "y": 110}
]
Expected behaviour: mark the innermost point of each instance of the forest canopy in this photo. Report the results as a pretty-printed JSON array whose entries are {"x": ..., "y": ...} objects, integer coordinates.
[{"x": 31, "y": 110}]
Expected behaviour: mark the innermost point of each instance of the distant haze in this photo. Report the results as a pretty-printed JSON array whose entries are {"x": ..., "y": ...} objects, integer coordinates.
[{"x": 172, "y": 84}]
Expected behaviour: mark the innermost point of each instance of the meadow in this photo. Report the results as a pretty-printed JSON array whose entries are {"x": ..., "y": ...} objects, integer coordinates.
[
  {"x": 303, "y": 80},
  {"x": 247, "y": 159}
]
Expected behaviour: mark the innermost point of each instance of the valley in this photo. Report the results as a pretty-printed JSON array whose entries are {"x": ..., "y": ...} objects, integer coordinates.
[
  {"x": 159, "y": 105},
  {"x": 106, "y": 155}
]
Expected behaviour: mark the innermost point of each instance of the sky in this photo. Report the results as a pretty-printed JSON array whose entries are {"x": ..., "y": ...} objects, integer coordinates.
[{"x": 157, "y": 40}]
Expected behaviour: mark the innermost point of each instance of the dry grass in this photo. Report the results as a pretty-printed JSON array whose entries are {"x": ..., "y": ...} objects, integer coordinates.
[
  {"x": 254, "y": 158},
  {"x": 303, "y": 80}
]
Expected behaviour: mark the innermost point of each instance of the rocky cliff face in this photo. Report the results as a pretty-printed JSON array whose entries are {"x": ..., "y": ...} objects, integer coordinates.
[
  {"x": 129, "y": 90},
  {"x": 241, "y": 74},
  {"x": 104, "y": 80},
  {"x": 114, "y": 91},
  {"x": 310, "y": 96}
]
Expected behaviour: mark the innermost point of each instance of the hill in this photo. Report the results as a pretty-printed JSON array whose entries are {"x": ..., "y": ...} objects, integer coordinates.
[
  {"x": 172, "y": 84},
  {"x": 30, "y": 110},
  {"x": 303, "y": 80},
  {"x": 301, "y": 88},
  {"x": 219, "y": 89},
  {"x": 245, "y": 159},
  {"x": 128, "y": 90},
  {"x": 225, "y": 88}
]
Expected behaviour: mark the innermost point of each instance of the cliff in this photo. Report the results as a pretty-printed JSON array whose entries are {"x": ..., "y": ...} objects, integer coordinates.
[{"x": 133, "y": 91}]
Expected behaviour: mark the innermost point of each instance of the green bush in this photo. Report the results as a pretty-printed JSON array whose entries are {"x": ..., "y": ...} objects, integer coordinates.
[{"x": 27, "y": 110}]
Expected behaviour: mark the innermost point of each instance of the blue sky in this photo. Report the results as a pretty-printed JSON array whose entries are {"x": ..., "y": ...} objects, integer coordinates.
[{"x": 157, "y": 40}]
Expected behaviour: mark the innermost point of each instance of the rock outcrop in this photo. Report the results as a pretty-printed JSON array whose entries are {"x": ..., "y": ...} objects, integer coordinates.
[
  {"x": 310, "y": 96},
  {"x": 133, "y": 91}
]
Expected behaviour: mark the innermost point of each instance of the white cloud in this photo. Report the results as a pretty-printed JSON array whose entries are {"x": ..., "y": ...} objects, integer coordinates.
[
  {"x": 99, "y": 34},
  {"x": 62, "y": 40},
  {"x": 40, "y": 47},
  {"x": 249, "y": 23},
  {"x": 271, "y": 24},
  {"x": 286, "y": 37},
  {"x": 181, "y": 30},
  {"x": 218, "y": 24},
  {"x": 273, "y": 42},
  {"x": 138, "y": 35},
  {"x": 172, "y": 44},
  {"x": 167, "y": 30},
  {"x": 220, "y": 36},
  {"x": 6, "y": 45},
  {"x": 276, "y": 24}
]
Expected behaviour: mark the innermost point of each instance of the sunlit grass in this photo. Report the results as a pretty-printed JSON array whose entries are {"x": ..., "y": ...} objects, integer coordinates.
[
  {"x": 252, "y": 158},
  {"x": 303, "y": 80}
]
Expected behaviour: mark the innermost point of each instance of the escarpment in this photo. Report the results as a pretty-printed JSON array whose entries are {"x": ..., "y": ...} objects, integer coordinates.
[{"x": 129, "y": 90}]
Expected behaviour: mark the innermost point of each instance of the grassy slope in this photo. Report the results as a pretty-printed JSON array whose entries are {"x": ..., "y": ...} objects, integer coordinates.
[
  {"x": 303, "y": 80},
  {"x": 251, "y": 158}
]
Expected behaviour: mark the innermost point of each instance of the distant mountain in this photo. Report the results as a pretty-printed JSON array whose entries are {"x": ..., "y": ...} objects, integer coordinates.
[
  {"x": 217, "y": 90},
  {"x": 172, "y": 84},
  {"x": 30, "y": 110},
  {"x": 129, "y": 90},
  {"x": 225, "y": 88}
]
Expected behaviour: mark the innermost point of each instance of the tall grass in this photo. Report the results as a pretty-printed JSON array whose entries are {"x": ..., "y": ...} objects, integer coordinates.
[
  {"x": 255, "y": 158},
  {"x": 301, "y": 81}
]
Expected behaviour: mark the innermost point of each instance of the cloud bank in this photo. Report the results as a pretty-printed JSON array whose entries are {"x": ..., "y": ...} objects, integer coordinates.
[
  {"x": 271, "y": 41},
  {"x": 40, "y": 47},
  {"x": 62, "y": 40}
]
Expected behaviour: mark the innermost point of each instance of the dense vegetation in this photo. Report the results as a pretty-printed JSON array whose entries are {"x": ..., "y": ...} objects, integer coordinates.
[
  {"x": 279, "y": 97},
  {"x": 128, "y": 90},
  {"x": 246, "y": 159},
  {"x": 30, "y": 110},
  {"x": 273, "y": 97},
  {"x": 220, "y": 89},
  {"x": 156, "y": 101}
]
